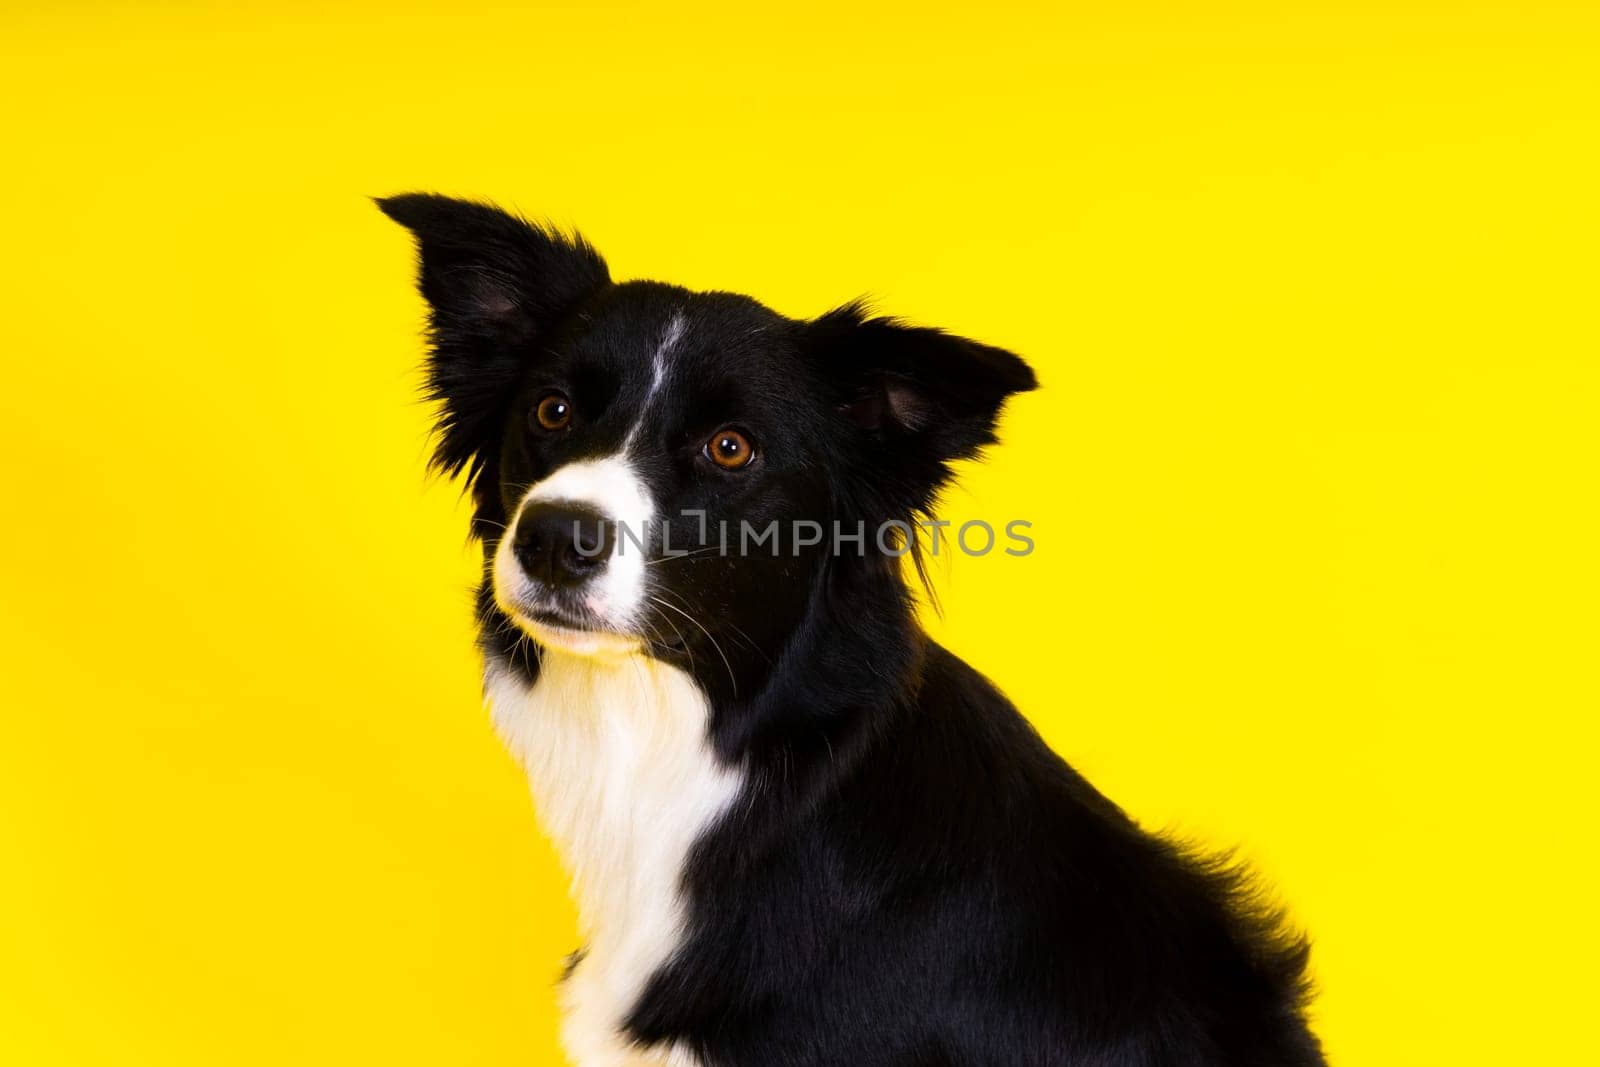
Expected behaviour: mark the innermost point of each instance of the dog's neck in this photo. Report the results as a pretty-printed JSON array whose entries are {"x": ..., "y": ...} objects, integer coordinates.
[{"x": 842, "y": 675}]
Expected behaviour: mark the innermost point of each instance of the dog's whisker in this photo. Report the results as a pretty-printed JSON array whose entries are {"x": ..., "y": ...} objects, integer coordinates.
[
  {"x": 746, "y": 639},
  {"x": 689, "y": 554},
  {"x": 733, "y": 681}
]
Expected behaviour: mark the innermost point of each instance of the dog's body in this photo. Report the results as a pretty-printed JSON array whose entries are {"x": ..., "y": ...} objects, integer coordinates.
[{"x": 799, "y": 832}]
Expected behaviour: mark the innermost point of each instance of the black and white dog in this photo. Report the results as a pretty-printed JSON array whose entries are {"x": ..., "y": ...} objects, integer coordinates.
[{"x": 799, "y": 832}]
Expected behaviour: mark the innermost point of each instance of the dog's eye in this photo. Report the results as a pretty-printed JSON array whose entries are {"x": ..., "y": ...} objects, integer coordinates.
[
  {"x": 730, "y": 450},
  {"x": 554, "y": 412}
]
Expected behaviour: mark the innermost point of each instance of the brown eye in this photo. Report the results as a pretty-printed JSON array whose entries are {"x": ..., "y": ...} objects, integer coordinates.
[
  {"x": 554, "y": 412},
  {"x": 730, "y": 450}
]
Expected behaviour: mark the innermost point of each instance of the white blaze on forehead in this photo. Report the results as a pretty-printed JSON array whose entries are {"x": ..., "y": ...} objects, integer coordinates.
[
  {"x": 658, "y": 372},
  {"x": 611, "y": 487},
  {"x": 658, "y": 362}
]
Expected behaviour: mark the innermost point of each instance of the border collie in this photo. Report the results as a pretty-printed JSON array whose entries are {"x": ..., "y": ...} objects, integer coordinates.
[{"x": 798, "y": 830}]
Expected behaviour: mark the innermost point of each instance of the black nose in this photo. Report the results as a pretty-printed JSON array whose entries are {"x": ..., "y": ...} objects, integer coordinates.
[{"x": 562, "y": 544}]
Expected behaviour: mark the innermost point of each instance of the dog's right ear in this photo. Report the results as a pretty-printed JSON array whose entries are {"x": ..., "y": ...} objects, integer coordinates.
[{"x": 494, "y": 284}]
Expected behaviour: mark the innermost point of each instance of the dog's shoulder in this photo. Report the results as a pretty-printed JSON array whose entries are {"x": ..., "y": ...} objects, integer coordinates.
[{"x": 962, "y": 879}]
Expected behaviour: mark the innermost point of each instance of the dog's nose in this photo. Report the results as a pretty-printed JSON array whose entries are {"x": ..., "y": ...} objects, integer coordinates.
[{"x": 562, "y": 544}]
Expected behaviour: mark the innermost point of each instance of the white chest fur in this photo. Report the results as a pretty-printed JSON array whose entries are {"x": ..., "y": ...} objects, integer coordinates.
[{"x": 624, "y": 781}]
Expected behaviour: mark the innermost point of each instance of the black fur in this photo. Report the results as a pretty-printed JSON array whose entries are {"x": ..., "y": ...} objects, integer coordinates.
[{"x": 912, "y": 877}]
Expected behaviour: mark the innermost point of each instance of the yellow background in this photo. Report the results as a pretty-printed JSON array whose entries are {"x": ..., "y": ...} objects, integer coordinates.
[{"x": 1313, "y": 296}]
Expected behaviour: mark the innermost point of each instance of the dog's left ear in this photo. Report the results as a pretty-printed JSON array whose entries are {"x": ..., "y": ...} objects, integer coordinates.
[
  {"x": 495, "y": 283},
  {"x": 921, "y": 397}
]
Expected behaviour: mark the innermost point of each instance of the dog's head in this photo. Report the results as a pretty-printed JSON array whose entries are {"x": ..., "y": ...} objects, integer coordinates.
[{"x": 672, "y": 471}]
